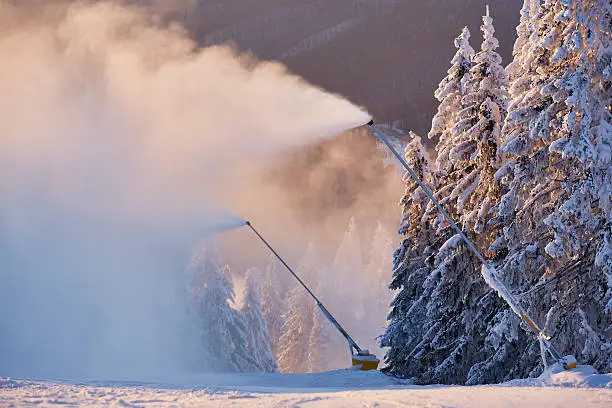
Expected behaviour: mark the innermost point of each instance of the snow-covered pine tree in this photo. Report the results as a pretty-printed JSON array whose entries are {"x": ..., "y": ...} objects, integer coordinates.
[
  {"x": 452, "y": 112},
  {"x": 273, "y": 303},
  {"x": 450, "y": 93},
  {"x": 258, "y": 337},
  {"x": 552, "y": 217},
  {"x": 297, "y": 327},
  {"x": 479, "y": 135},
  {"x": 209, "y": 291},
  {"x": 242, "y": 357},
  {"x": 602, "y": 136},
  {"x": 602, "y": 115},
  {"x": 505, "y": 343},
  {"x": 451, "y": 294},
  {"x": 460, "y": 310},
  {"x": 570, "y": 133},
  {"x": 478, "y": 131},
  {"x": 412, "y": 263},
  {"x": 524, "y": 31},
  {"x": 293, "y": 355},
  {"x": 221, "y": 330},
  {"x": 595, "y": 304}
]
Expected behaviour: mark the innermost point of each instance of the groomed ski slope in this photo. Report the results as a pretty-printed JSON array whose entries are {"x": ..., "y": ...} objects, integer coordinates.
[{"x": 344, "y": 388}]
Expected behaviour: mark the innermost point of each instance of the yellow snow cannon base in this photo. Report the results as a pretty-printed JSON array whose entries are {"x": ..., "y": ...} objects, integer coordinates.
[
  {"x": 568, "y": 362},
  {"x": 365, "y": 360}
]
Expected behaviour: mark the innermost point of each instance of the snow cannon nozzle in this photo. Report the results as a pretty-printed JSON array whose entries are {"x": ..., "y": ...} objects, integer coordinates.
[
  {"x": 247, "y": 223},
  {"x": 370, "y": 123}
]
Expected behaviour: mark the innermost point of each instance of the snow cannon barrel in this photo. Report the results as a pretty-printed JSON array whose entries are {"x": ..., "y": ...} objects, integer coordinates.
[{"x": 365, "y": 361}]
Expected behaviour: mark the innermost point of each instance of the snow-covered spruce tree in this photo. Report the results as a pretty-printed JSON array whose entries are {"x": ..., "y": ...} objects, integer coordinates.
[
  {"x": 508, "y": 350},
  {"x": 209, "y": 291},
  {"x": 602, "y": 134},
  {"x": 455, "y": 115},
  {"x": 297, "y": 327},
  {"x": 273, "y": 303},
  {"x": 523, "y": 76},
  {"x": 242, "y": 358},
  {"x": 524, "y": 31},
  {"x": 461, "y": 301},
  {"x": 258, "y": 338},
  {"x": 412, "y": 264},
  {"x": 293, "y": 355},
  {"x": 478, "y": 132},
  {"x": 221, "y": 330},
  {"x": 581, "y": 149},
  {"x": 450, "y": 93},
  {"x": 454, "y": 299},
  {"x": 557, "y": 134}
]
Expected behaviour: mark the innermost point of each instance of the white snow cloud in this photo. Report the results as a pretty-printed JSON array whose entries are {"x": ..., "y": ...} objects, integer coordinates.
[{"x": 115, "y": 133}]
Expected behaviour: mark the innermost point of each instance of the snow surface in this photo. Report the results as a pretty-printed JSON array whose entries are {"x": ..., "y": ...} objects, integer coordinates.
[{"x": 342, "y": 388}]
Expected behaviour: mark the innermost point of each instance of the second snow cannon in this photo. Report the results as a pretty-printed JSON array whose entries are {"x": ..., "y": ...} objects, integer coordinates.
[{"x": 360, "y": 358}]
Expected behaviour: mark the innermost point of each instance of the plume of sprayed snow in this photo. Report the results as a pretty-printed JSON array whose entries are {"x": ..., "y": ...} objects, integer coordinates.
[{"x": 114, "y": 133}]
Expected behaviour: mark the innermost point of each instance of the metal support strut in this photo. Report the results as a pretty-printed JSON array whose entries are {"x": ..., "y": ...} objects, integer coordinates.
[
  {"x": 328, "y": 315},
  {"x": 567, "y": 362}
]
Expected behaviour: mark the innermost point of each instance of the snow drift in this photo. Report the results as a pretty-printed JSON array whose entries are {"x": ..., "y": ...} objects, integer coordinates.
[
  {"x": 116, "y": 132},
  {"x": 330, "y": 389}
]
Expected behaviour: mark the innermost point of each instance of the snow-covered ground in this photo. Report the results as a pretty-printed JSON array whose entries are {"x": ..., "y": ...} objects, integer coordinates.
[{"x": 344, "y": 388}]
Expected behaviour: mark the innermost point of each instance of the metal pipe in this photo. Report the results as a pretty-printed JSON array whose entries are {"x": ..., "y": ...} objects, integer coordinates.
[
  {"x": 507, "y": 296},
  {"x": 328, "y": 315}
]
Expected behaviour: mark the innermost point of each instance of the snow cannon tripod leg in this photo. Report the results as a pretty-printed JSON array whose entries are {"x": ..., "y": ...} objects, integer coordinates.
[{"x": 568, "y": 362}]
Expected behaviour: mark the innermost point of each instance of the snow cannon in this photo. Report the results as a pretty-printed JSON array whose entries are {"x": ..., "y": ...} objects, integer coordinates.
[
  {"x": 488, "y": 271},
  {"x": 365, "y": 360},
  {"x": 360, "y": 358},
  {"x": 569, "y": 362}
]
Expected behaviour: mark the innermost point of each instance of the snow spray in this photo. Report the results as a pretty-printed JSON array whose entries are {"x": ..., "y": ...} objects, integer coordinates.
[{"x": 115, "y": 134}]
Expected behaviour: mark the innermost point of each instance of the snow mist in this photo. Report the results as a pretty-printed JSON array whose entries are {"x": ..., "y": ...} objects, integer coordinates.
[{"x": 115, "y": 132}]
